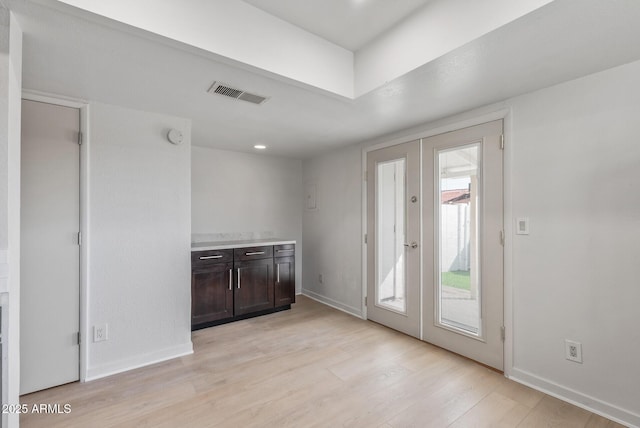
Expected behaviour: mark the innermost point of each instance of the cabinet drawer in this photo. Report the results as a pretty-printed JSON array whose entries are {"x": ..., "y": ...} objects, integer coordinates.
[
  {"x": 253, "y": 253},
  {"x": 203, "y": 258},
  {"x": 285, "y": 250}
]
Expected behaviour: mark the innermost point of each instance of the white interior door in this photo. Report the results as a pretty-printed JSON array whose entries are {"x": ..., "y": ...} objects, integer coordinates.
[
  {"x": 463, "y": 250},
  {"x": 49, "y": 289},
  {"x": 393, "y": 232}
]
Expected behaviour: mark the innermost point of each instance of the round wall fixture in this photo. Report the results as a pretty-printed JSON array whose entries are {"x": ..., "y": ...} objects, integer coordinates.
[{"x": 174, "y": 136}]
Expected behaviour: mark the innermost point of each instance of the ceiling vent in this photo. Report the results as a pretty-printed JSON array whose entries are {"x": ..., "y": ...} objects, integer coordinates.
[{"x": 226, "y": 90}]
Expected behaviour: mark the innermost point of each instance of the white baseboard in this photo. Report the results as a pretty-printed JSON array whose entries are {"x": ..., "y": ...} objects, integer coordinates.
[
  {"x": 333, "y": 303},
  {"x": 138, "y": 361},
  {"x": 576, "y": 398}
]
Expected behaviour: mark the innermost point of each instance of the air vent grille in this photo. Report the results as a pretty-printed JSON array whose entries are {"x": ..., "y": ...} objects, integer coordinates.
[
  {"x": 229, "y": 92},
  {"x": 238, "y": 94}
]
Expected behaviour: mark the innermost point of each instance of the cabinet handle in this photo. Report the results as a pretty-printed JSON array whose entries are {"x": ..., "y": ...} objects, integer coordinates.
[
  {"x": 284, "y": 251},
  {"x": 211, "y": 257},
  {"x": 278, "y": 273},
  {"x": 255, "y": 253},
  {"x": 230, "y": 279},
  {"x": 238, "y": 278}
]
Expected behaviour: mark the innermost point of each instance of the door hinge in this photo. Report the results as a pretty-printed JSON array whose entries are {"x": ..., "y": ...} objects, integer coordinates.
[
  {"x": 79, "y": 238},
  {"x": 502, "y": 237},
  {"x": 78, "y": 338},
  {"x": 502, "y": 142},
  {"x": 365, "y": 300},
  {"x": 502, "y": 333},
  {"x": 365, "y": 238},
  {"x": 80, "y": 138}
]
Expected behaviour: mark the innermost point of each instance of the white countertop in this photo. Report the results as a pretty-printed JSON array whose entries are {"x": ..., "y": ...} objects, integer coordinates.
[{"x": 225, "y": 245}]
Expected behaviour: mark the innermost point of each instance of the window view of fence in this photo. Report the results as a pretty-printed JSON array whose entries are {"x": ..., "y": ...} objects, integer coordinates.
[{"x": 459, "y": 287}]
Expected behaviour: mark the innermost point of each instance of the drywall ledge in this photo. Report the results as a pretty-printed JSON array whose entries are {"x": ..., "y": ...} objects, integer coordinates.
[
  {"x": 576, "y": 398},
  {"x": 431, "y": 32}
]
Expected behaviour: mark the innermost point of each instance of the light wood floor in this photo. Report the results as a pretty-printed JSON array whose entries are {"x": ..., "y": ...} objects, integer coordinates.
[{"x": 309, "y": 367}]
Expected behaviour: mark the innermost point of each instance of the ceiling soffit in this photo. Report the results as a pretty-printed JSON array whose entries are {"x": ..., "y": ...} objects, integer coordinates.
[{"x": 262, "y": 40}]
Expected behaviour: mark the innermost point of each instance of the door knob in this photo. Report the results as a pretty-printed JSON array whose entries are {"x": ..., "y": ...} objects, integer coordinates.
[{"x": 413, "y": 245}]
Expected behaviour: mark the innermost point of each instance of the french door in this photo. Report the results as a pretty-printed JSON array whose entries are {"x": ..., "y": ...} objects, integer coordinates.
[
  {"x": 463, "y": 242},
  {"x": 393, "y": 235},
  {"x": 435, "y": 207}
]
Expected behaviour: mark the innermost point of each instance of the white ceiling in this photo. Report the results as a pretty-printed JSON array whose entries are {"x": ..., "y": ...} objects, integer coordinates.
[
  {"x": 80, "y": 58},
  {"x": 347, "y": 23}
]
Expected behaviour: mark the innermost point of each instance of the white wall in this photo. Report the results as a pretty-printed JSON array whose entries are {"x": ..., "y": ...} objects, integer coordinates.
[
  {"x": 576, "y": 163},
  {"x": 332, "y": 233},
  {"x": 139, "y": 213},
  {"x": 247, "y": 195},
  {"x": 574, "y": 171},
  {"x": 10, "y": 114}
]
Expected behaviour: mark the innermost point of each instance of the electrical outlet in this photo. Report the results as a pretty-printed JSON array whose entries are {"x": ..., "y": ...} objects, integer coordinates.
[
  {"x": 573, "y": 351},
  {"x": 100, "y": 332},
  {"x": 320, "y": 278}
]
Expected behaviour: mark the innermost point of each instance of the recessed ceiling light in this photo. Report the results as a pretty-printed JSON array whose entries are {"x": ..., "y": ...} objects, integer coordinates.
[{"x": 260, "y": 146}]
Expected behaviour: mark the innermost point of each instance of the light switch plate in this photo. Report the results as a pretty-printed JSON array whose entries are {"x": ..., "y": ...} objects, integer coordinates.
[
  {"x": 522, "y": 226},
  {"x": 311, "y": 198}
]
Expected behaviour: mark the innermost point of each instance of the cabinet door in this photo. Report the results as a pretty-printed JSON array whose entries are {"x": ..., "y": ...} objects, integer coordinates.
[
  {"x": 285, "y": 283},
  {"x": 253, "y": 286},
  {"x": 211, "y": 293}
]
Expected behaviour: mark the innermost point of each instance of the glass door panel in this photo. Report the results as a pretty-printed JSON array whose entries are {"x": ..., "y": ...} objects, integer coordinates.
[
  {"x": 458, "y": 280},
  {"x": 391, "y": 234}
]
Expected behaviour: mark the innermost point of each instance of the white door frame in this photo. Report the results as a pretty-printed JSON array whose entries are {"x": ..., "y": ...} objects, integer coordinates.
[
  {"x": 453, "y": 124},
  {"x": 83, "y": 106}
]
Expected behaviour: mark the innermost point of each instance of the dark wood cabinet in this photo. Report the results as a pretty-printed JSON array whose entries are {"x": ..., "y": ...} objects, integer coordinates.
[
  {"x": 227, "y": 285},
  {"x": 211, "y": 286},
  {"x": 252, "y": 253},
  {"x": 285, "y": 275},
  {"x": 254, "y": 286}
]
